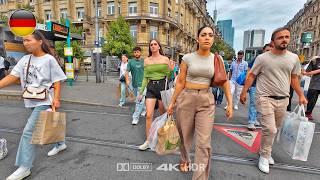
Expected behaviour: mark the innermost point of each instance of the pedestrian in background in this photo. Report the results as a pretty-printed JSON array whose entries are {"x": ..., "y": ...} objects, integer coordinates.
[
  {"x": 136, "y": 67},
  {"x": 3, "y": 148},
  {"x": 195, "y": 104},
  {"x": 252, "y": 112},
  {"x": 2, "y": 68},
  {"x": 274, "y": 71},
  {"x": 313, "y": 69},
  {"x": 43, "y": 71},
  {"x": 157, "y": 68},
  {"x": 122, "y": 79},
  {"x": 237, "y": 67}
]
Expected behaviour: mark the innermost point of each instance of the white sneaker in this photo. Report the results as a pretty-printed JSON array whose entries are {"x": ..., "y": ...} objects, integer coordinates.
[
  {"x": 225, "y": 107},
  {"x": 19, "y": 174},
  {"x": 257, "y": 123},
  {"x": 144, "y": 146},
  {"x": 236, "y": 107},
  {"x": 135, "y": 121},
  {"x": 251, "y": 127},
  {"x": 263, "y": 164},
  {"x": 271, "y": 160},
  {"x": 56, "y": 150},
  {"x": 144, "y": 113}
]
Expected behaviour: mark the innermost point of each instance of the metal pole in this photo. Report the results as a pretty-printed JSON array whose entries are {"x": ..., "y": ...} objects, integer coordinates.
[{"x": 98, "y": 73}]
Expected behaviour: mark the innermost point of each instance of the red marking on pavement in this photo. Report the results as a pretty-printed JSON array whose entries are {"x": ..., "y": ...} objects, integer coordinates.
[{"x": 248, "y": 139}]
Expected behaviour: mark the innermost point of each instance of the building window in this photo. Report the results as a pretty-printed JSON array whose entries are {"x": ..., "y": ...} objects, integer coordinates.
[
  {"x": 47, "y": 14},
  {"x": 177, "y": 1},
  {"x": 99, "y": 12},
  {"x": 80, "y": 13},
  {"x": 310, "y": 22},
  {"x": 169, "y": 2},
  {"x": 110, "y": 6},
  {"x": 3, "y": 1},
  {"x": 154, "y": 7},
  {"x": 134, "y": 32},
  {"x": 153, "y": 32},
  {"x": 132, "y": 8},
  {"x": 181, "y": 18},
  {"x": 169, "y": 12},
  {"x": 46, "y": 1},
  {"x": 168, "y": 38},
  {"x": 119, "y": 8},
  {"x": 63, "y": 13},
  {"x": 177, "y": 16}
]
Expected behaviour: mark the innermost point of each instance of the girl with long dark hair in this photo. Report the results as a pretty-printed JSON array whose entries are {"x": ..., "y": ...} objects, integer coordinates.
[
  {"x": 157, "y": 68},
  {"x": 43, "y": 72},
  {"x": 195, "y": 104}
]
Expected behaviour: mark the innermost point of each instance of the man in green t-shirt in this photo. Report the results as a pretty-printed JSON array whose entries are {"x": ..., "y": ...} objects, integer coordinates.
[{"x": 136, "y": 67}]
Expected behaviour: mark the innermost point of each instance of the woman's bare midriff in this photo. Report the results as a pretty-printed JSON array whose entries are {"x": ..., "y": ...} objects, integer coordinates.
[{"x": 190, "y": 85}]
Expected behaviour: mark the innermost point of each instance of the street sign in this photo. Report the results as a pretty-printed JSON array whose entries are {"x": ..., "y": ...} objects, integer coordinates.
[
  {"x": 247, "y": 139},
  {"x": 68, "y": 51},
  {"x": 97, "y": 50},
  {"x": 69, "y": 70}
]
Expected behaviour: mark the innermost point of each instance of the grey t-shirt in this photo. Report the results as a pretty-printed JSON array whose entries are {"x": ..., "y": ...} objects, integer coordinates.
[
  {"x": 315, "y": 80},
  {"x": 200, "y": 69},
  {"x": 274, "y": 73},
  {"x": 43, "y": 72}
]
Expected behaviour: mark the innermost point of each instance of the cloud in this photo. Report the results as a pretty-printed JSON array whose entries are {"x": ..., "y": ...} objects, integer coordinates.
[{"x": 255, "y": 14}]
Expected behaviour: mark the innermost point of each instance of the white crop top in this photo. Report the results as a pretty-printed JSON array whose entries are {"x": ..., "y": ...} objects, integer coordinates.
[{"x": 200, "y": 69}]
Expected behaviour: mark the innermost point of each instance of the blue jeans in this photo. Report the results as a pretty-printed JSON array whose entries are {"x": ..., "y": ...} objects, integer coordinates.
[
  {"x": 123, "y": 93},
  {"x": 218, "y": 94},
  {"x": 140, "y": 106},
  {"x": 252, "y": 113},
  {"x": 26, "y": 151}
]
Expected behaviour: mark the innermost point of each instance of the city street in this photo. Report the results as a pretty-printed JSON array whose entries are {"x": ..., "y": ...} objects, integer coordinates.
[{"x": 99, "y": 137}]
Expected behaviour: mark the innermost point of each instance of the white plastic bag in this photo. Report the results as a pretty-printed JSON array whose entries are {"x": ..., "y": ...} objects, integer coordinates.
[
  {"x": 153, "y": 132},
  {"x": 166, "y": 94},
  {"x": 297, "y": 134}
]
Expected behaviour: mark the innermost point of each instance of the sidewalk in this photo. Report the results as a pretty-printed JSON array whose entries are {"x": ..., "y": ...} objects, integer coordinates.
[
  {"x": 81, "y": 92},
  {"x": 87, "y": 93}
]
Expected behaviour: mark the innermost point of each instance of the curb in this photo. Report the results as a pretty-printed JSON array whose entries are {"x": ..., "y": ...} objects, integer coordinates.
[{"x": 16, "y": 95}]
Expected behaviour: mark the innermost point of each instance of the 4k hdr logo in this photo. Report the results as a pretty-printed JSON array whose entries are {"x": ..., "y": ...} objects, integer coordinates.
[{"x": 125, "y": 167}]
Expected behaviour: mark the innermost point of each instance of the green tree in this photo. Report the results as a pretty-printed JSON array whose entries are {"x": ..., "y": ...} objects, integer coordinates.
[
  {"x": 220, "y": 45},
  {"x": 76, "y": 45},
  {"x": 119, "y": 39}
]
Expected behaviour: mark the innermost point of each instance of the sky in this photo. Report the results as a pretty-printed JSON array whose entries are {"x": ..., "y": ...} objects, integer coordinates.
[{"x": 255, "y": 14}]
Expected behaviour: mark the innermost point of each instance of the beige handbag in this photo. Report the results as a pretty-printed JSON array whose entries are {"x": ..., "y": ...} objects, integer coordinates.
[{"x": 33, "y": 93}]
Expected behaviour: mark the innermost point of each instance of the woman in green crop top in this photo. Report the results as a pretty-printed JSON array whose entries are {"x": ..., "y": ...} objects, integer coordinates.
[{"x": 157, "y": 68}]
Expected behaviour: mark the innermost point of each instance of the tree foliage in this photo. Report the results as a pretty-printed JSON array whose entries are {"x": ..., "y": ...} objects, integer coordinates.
[
  {"x": 220, "y": 45},
  {"x": 76, "y": 45},
  {"x": 119, "y": 40}
]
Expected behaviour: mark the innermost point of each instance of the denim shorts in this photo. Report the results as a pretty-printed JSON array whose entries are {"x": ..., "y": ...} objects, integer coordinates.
[{"x": 154, "y": 87}]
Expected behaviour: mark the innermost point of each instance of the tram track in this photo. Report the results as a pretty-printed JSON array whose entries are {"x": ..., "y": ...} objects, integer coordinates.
[{"x": 216, "y": 157}]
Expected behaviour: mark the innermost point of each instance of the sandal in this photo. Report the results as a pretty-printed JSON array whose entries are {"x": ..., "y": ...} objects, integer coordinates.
[{"x": 184, "y": 166}]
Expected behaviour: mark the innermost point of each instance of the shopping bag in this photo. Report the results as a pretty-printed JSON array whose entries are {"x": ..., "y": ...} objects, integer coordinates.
[
  {"x": 242, "y": 78},
  {"x": 166, "y": 94},
  {"x": 153, "y": 132},
  {"x": 168, "y": 138},
  {"x": 297, "y": 134},
  {"x": 50, "y": 128}
]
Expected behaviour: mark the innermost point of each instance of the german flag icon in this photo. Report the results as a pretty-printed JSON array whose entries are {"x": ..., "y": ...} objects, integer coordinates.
[{"x": 22, "y": 23}]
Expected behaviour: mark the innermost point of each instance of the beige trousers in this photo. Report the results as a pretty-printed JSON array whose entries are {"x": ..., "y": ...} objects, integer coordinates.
[
  {"x": 195, "y": 113},
  {"x": 271, "y": 114}
]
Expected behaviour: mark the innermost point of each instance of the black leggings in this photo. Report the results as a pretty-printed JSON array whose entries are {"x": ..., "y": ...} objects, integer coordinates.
[{"x": 312, "y": 97}]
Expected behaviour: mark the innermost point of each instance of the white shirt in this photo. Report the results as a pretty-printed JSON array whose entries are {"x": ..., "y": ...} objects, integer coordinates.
[{"x": 43, "y": 72}]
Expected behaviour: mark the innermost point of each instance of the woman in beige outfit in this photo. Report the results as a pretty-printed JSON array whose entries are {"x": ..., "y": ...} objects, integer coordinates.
[{"x": 195, "y": 105}]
